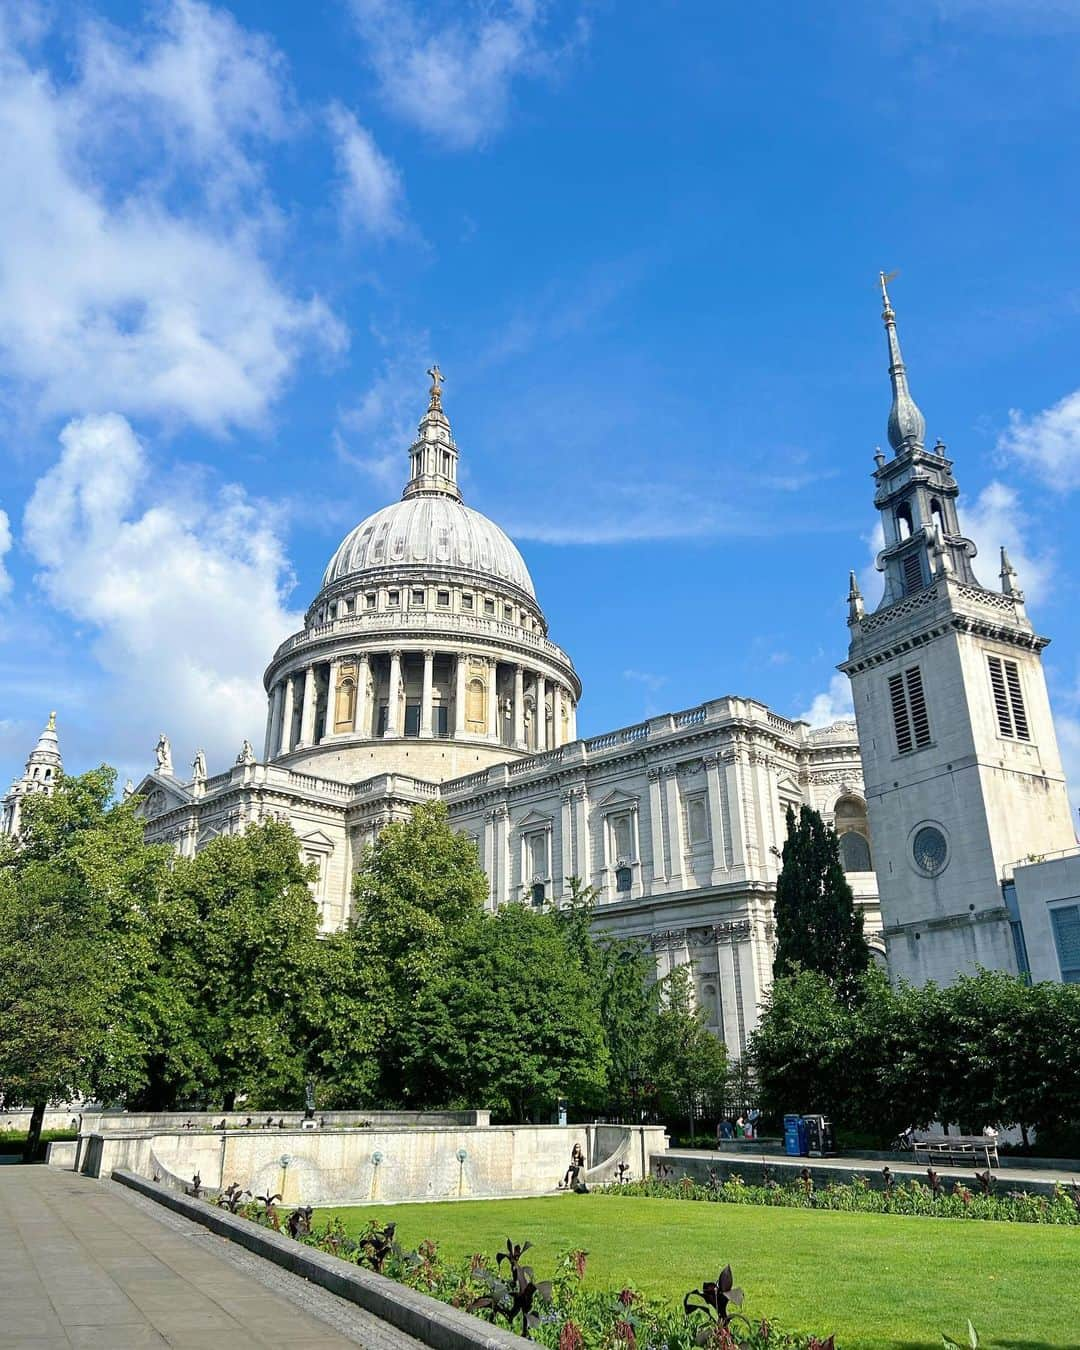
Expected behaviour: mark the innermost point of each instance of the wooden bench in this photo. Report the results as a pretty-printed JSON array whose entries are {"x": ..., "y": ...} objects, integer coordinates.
[{"x": 967, "y": 1150}]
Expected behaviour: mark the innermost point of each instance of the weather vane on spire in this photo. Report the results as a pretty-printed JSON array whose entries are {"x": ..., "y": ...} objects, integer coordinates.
[
  {"x": 884, "y": 278},
  {"x": 437, "y": 381}
]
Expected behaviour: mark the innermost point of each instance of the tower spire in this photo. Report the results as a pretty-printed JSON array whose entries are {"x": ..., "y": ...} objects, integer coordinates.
[
  {"x": 856, "y": 608},
  {"x": 907, "y": 426}
]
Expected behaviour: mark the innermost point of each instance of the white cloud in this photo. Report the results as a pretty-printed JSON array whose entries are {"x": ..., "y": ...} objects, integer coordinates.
[
  {"x": 1048, "y": 443},
  {"x": 994, "y": 519},
  {"x": 185, "y": 597},
  {"x": 5, "y": 548},
  {"x": 452, "y": 76},
  {"x": 833, "y": 705},
  {"x": 142, "y": 283},
  {"x": 1068, "y": 733},
  {"x": 370, "y": 184}
]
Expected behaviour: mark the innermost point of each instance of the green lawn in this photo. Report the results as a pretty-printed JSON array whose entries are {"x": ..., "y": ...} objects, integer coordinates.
[{"x": 875, "y": 1280}]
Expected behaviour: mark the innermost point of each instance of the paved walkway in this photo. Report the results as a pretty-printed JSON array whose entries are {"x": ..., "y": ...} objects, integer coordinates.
[{"x": 87, "y": 1264}]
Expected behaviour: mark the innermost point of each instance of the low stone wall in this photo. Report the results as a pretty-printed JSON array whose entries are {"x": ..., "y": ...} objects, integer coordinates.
[
  {"x": 111, "y": 1122},
  {"x": 339, "y": 1167},
  {"x": 427, "y": 1319},
  {"x": 787, "y": 1170}
]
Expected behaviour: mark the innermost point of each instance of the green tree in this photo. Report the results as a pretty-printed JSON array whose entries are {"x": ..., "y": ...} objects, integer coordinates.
[
  {"x": 817, "y": 924},
  {"x": 242, "y": 960},
  {"x": 416, "y": 890},
  {"x": 685, "y": 1061},
  {"x": 510, "y": 1021},
  {"x": 81, "y": 918},
  {"x": 803, "y": 1048},
  {"x": 622, "y": 973}
]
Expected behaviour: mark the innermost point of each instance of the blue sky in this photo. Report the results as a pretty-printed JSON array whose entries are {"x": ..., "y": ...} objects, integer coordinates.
[{"x": 642, "y": 242}]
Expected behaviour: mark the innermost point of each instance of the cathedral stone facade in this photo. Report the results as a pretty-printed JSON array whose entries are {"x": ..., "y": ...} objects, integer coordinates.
[{"x": 424, "y": 671}]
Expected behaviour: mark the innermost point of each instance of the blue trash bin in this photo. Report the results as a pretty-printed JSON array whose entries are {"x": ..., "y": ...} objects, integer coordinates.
[{"x": 794, "y": 1136}]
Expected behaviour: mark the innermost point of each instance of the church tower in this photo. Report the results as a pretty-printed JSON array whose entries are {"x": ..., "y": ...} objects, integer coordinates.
[
  {"x": 42, "y": 769},
  {"x": 960, "y": 759}
]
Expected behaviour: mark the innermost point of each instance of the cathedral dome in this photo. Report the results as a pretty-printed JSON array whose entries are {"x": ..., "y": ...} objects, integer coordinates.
[{"x": 430, "y": 531}]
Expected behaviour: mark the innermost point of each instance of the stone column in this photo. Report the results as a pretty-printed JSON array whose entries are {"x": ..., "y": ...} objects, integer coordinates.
[
  {"x": 493, "y": 699},
  {"x": 362, "y": 717},
  {"x": 556, "y": 717},
  {"x": 541, "y": 713},
  {"x": 573, "y": 720},
  {"x": 733, "y": 775},
  {"x": 584, "y": 861},
  {"x": 393, "y": 695},
  {"x": 519, "y": 708},
  {"x": 566, "y": 838},
  {"x": 656, "y": 829},
  {"x": 674, "y": 824},
  {"x": 331, "y": 698},
  {"x": 425, "y": 694},
  {"x": 716, "y": 816},
  {"x": 459, "y": 694},
  {"x": 307, "y": 709},
  {"x": 285, "y": 741},
  {"x": 273, "y": 722}
]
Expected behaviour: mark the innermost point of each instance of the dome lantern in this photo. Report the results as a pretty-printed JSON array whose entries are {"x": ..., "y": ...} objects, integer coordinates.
[{"x": 433, "y": 456}]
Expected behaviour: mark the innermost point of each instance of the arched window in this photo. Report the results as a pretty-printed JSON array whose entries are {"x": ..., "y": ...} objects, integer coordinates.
[
  {"x": 853, "y": 834},
  {"x": 904, "y": 526},
  {"x": 854, "y": 852},
  {"x": 937, "y": 515}
]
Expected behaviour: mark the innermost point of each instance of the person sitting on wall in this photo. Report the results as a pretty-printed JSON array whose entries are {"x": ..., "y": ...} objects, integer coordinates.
[{"x": 577, "y": 1162}]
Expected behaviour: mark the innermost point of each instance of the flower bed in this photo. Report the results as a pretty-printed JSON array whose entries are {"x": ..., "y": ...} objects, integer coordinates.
[
  {"x": 931, "y": 1199},
  {"x": 560, "y": 1313}
]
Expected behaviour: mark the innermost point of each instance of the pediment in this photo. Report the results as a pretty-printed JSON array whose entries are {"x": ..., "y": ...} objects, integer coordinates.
[
  {"x": 160, "y": 794},
  {"x": 317, "y": 840},
  {"x": 534, "y": 820},
  {"x": 616, "y": 797},
  {"x": 787, "y": 787}
]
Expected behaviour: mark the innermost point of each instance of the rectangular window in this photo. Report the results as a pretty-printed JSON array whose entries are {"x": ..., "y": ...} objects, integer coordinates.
[
  {"x": 1066, "y": 924},
  {"x": 350, "y": 605},
  {"x": 412, "y": 719},
  {"x": 466, "y": 601},
  {"x": 393, "y": 598},
  {"x": 489, "y": 606},
  {"x": 440, "y": 720},
  {"x": 382, "y": 720},
  {"x": 622, "y": 838},
  {"x": 418, "y": 597},
  {"x": 1008, "y": 698},
  {"x": 913, "y": 573},
  {"x": 697, "y": 822},
  {"x": 369, "y": 600},
  {"x": 910, "y": 718},
  {"x": 442, "y": 598},
  {"x": 508, "y": 611}
]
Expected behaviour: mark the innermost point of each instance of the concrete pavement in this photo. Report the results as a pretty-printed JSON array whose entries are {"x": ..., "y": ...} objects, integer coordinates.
[{"x": 89, "y": 1265}]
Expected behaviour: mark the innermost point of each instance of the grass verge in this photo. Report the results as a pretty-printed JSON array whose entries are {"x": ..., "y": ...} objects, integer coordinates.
[{"x": 875, "y": 1280}]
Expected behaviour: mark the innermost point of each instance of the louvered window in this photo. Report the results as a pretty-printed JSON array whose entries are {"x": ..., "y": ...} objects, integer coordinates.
[
  {"x": 1008, "y": 698},
  {"x": 910, "y": 717},
  {"x": 913, "y": 573}
]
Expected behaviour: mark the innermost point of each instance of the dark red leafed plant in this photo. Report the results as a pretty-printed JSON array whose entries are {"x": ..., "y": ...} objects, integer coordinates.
[
  {"x": 934, "y": 1182},
  {"x": 377, "y": 1244},
  {"x": 232, "y": 1197},
  {"x": 570, "y": 1337},
  {"x": 986, "y": 1181},
  {"x": 515, "y": 1297},
  {"x": 715, "y": 1299},
  {"x": 624, "y": 1331}
]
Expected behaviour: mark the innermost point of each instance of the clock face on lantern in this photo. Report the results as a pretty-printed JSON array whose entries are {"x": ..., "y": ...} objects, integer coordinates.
[{"x": 929, "y": 850}]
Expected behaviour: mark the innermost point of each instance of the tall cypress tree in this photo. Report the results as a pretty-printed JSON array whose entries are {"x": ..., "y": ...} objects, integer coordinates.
[{"x": 817, "y": 924}]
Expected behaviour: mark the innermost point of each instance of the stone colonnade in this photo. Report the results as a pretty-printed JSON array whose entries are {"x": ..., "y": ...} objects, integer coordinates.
[{"x": 423, "y": 693}]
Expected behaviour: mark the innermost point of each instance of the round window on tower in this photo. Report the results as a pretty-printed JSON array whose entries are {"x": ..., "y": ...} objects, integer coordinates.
[{"x": 930, "y": 850}]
